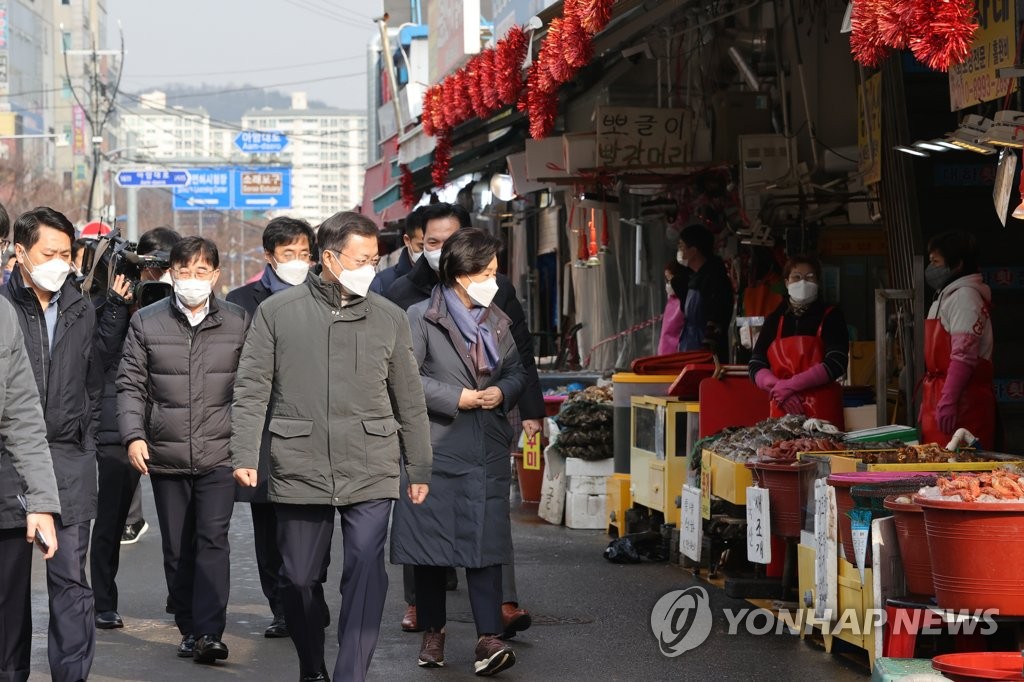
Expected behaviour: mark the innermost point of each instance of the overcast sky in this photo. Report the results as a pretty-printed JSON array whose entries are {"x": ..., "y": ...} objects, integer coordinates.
[{"x": 257, "y": 42}]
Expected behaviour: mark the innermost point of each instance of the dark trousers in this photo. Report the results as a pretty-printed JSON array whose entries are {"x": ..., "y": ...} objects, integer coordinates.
[
  {"x": 508, "y": 583},
  {"x": 15, "y": 605},
  {"x": 484, "y": 598},
  {"x": 304, "y": 537},
  {"x": 195, "y": 514},
  {"x": 71, "y": 640},
  {"x": 268, "y": 557},
  {"x": 118, "y": 481},
  {"x": 135, "y": 510}
]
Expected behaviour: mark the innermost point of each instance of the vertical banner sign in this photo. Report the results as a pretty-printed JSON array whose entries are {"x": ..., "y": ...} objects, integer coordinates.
[
  {"x": 869, "y": 129},
  {"x": 78, "y": 130},
  {"x": 691, "y": 529},
  {"x": 826, "y": 563},
  {"x": 531, "y": 452},
  {"x": 454, "y": 33},
  {"x": 759, "y": 544},
  {"x": 995, "y": 45}
]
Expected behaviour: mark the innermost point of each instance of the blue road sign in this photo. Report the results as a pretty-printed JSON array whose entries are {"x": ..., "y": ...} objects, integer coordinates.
[
  {"x": 261, "y": 141},
  {"x": 264, "y": 187},
  {"x": 152, "y": 178},
  {"x": 209, "y": 188}
]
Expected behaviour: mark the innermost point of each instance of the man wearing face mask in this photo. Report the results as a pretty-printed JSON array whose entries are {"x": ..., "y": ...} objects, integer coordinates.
[
  {"x": 708, "y": 299},
  {"x": 400, "y": 262},
  {"x": 441, "y": 221},
  {"x": 288, "y": 245},
  {"x": 174, "y": 388},
  {"x": 332, "y": 364},
  {"x": 957, "y": 389},
  {"x": 803, "y": 349},
  {"x": 58, "y": 326},
  {"x": 118, "y": 490}
]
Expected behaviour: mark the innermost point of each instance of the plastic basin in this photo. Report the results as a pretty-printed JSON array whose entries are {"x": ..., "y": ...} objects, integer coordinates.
[
  {"x": 977, "y": 554},
  {"x": 991, "y": 665},
  {"x": 913, "y": 541},
  {"x": 787, "y": 486}
]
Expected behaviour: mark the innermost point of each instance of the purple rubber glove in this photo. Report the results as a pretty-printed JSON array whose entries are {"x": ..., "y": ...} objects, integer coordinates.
[
  {"x": 765, "y": 380},
  {"x": 957, "y": 377}
]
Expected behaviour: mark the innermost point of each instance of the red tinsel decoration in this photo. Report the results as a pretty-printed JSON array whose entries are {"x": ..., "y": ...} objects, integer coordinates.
[
  {"x": 577, "y": 47},
  {"x": 894, "y": 21},
  {"x": 552, "y": 54},
  {"x": 594, "y": 14},
  {"x": 407, "y": 187},
  {"x": 508, "y": 64},
  {"x": 429, "y": 104},
  {"x": 474, "y": 87},
  {"x": 865, "y": 41},
  {"x": 543, "y": 111},
  {"x": 437, "y": 117},
  {"x": 489, "y": 79},
  {"x": 442, "y": 160},
  {"x": 459, "y": 96},
  {"x": 945, "y": 37}
]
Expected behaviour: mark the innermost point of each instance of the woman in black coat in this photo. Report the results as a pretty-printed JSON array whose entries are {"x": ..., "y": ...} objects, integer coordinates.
[{"x": 471, "y": 371}]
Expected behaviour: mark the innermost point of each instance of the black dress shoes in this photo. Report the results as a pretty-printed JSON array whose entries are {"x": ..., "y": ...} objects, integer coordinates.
[
  {"x": 210, "y": 649},
  {"x": 187, "y": 647},
  {"x": 316, "y": 677},
  {"x": 108, "y": 620},
  {"x": 277, "y": 629}
]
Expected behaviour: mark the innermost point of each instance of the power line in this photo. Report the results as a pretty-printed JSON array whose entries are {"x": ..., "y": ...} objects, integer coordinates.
[
  {"x": 250, "y": 70},
  {"x": 314, "y": 9}
]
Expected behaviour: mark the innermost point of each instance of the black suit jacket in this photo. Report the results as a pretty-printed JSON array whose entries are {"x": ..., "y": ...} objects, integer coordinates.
[
  {"x": 416, "y": 286},
  {"x": 249, "y": 296}
]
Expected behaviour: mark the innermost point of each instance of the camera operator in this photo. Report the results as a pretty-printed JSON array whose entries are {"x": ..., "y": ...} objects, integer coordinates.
[{"x": 118, "y": 480}]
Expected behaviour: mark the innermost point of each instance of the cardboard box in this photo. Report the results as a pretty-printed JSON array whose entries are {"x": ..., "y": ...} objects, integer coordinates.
[
  {"x": 575, "y": 466},
  {"x": 588, "y": 485},
  {"x": 580, "y": 151},
  {"x": 863, "y": 417},
  {"x": 545, "y": 159},
  {"x": 517, "y": 169},
  {"x": 585, "y": 512}
]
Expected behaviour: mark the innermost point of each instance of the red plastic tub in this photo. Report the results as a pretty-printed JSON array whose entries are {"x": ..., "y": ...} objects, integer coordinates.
[
  {"x": 977, "y": 554},
  {"x": 913, "y": 540},
  {"x": 990, "y": 665},
  {"x": 787, "y": 486}
]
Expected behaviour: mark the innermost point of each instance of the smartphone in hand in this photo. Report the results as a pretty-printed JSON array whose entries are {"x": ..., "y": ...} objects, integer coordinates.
[{"x": 41, "y": 542}]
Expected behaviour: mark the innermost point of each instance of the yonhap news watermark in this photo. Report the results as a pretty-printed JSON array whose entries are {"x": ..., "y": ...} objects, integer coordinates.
[{"x": 682, "y": 620}]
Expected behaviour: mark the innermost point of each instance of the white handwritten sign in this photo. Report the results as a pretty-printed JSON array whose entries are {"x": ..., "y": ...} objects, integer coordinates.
[
  {"x": 826, "y": 562},
  {"x": 691, "y": 528},
  {"x": 639, "y": 137},
  {"x": 759, "y": 545}
]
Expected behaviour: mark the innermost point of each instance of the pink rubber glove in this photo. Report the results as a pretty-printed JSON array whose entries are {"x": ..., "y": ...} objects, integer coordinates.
[
  {"x": 957, "y": 377},
  {"x": 765, "y": 380},
  {"x": 809, "y": 378}
]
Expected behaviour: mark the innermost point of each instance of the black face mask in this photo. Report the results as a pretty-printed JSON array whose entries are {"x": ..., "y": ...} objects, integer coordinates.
[{"x": 936, "y": 276}]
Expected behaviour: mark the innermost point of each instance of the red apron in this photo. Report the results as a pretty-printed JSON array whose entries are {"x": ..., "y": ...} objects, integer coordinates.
[
  {"x": 976, "y": 409},
  {"x": 794, "y": 354}
]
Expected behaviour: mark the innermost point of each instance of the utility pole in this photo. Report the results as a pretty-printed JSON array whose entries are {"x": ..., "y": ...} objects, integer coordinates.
[{"x": 102, "y": 98}]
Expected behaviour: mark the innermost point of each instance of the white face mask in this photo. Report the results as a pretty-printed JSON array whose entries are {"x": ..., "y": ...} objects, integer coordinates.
[
  {"x": 433, "y": 259},
  {"x": 292, "y": 272},
  {"x": 193, "y": 292},
  {"x": 50, "y": 275},
  {"x": 357, "y": 281},
  {"x": 668, "y": 289},
  {"x": 482, "y": 293},
  {"x": 680, "y": 259},
  {"x": 416, "y": 255},
  {"x": 802, "y": 292}
]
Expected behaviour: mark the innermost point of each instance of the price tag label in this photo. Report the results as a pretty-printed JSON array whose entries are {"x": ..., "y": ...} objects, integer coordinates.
[
  {"x": 531, "y": 452},
  {"x": 691, "y": 530},
  {"x": 759, "y": 544}
]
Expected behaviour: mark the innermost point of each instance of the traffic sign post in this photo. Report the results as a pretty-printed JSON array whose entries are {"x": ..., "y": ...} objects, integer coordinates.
[
  {"x": 263, "y": 188},
  {"x": 261, "y": 141},
  {"x": 152, "y": 178},
  {"x": 210, "y": 188}
]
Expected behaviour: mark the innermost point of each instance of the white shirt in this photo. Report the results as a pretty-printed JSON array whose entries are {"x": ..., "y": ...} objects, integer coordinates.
[{"x": 193, "y": 318}]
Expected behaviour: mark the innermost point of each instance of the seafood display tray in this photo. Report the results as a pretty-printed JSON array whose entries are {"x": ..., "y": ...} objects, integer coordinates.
[{"x": 843, "y": 463}]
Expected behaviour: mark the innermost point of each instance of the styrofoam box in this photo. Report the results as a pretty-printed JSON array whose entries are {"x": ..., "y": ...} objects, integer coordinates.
[
  {"x": 574, "y": 466},
  {"x": 585, "y": 511},
  {"x": 588, "y": 485}
]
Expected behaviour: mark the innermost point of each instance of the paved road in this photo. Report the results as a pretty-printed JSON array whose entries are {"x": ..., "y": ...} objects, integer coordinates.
[{"x": 593, "y": 622}]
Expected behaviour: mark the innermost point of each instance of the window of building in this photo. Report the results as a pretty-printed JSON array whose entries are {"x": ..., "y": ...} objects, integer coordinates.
[{"x": 66, "y": 40}]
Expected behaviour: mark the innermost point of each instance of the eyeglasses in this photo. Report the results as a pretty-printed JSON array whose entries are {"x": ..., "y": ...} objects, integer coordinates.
[
  {"x": 362, "y": 262},
  {"x": 198, "y": 273},
  {"x": 796, "y": 277}
]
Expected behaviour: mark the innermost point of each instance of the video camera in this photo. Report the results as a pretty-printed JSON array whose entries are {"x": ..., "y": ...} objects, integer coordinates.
[{"x": 111, "y": 255}]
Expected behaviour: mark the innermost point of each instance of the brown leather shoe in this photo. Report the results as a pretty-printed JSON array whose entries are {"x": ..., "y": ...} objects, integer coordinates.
[
  {"x": 514, "y": 619},
  {"x": 432, "y": 650},
  {"x": 409, "y": 623},
  {"x": 492, "y": 656}
]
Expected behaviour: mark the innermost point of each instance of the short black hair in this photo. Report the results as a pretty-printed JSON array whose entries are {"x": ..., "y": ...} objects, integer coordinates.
[
  {"x": 285, "y": 230},
  {"x": 699, "y": 238},
  {"x": 466, "y": 252},
  {"x": 26, "y": 227},
  {"x": 413, "y": 222},
  {"x": 189, "y": 249},
  {"x": 333, "y": 233},
  {"x": 5, "y": 222},
  {"x": 78, "y": 245},
  {"x": 957, "y": 248},
  {"x": 445, "y": 210},
  {"x": 157, "y": 239}
]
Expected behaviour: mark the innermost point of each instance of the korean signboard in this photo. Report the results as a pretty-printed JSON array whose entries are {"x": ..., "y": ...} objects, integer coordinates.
[
  {"x": 640, "y": 137},
  {"x": 454, "y": 33},
  {"x": 995, "y": 44},
  {"x": 869, "y": 129}
]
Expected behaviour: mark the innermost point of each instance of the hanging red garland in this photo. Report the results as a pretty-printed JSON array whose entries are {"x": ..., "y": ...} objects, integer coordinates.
[
  {"x": 460, "y": 97},
  {"x": 577, "y": 47},
  {"x": 595, "y": 14},
  {"x": 489, "y": 79},
  {"x": 407, "y": 187},
  {"x": 552, "y": 54},
  {"x": 865, "y": 41},
  {"x": 508, "y": 64},
  {"x": 442, "y": 160},
  {"x": 894, "y": 21},
  {"x": 474, "y": 87},
  {"x": 945, "y": 35}
]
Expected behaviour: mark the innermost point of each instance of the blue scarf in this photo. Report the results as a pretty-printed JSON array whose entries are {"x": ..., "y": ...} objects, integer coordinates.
[
  {"x": 271, "y": 281},
  {"x": 478, "y": 336}
]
